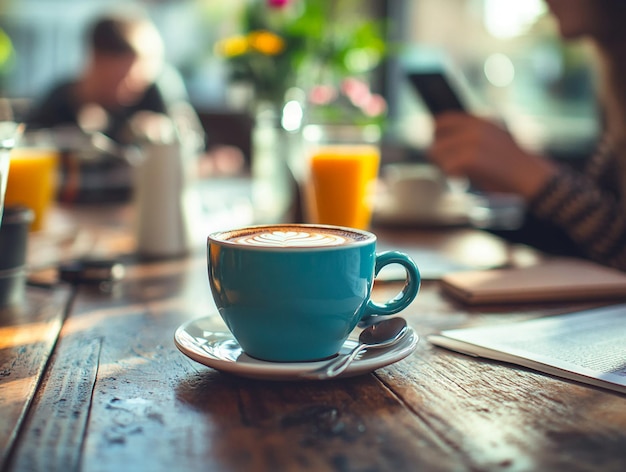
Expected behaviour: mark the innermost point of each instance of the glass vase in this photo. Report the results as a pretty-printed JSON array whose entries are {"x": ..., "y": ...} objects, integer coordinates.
[{"x": 272, "y": 181}]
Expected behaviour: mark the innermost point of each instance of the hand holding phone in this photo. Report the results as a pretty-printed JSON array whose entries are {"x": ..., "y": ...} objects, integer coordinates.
[{"x": 436, "y": 92}]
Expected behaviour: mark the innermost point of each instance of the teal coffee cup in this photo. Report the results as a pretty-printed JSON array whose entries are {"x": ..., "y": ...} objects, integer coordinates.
[{"x": 293, "y": 293}]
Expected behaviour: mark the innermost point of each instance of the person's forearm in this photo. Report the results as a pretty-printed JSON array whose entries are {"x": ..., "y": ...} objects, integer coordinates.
[
  {"x": 532, "y": 175},
  {"x": 594, "y": 219}
]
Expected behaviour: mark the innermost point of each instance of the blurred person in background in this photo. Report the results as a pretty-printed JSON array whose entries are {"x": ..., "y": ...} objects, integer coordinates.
[
  {"x": 580, "y": 214},
  {"x": 125, "y": 92},
  {"x": 125, "y": 73}
]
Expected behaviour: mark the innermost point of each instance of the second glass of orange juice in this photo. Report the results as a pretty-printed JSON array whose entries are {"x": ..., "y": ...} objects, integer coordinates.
[
  {"x": 343, "y": 163},
  {"x": 32, "y": 180}
]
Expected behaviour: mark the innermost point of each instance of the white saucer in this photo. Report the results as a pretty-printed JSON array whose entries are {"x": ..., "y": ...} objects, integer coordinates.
[
  {"x": 452, "y": 209},
  {"x": 198, "y": 340}
]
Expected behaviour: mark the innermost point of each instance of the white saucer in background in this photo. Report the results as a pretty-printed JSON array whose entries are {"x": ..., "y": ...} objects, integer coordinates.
[
  {"x": 450, "y": 209},
  {"x": 419, "y": 194},
  {"x": 199, "y": 341}
]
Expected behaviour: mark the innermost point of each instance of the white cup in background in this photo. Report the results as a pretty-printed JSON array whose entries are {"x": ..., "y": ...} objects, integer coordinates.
[{"x": 414, "y": 187}]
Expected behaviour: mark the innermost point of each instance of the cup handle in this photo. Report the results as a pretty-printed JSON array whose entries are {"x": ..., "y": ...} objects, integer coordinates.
[{"x": 408, "y": 292}]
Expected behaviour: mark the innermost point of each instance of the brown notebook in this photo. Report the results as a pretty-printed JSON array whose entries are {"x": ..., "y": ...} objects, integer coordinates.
[{"x": 557, "y": 279}]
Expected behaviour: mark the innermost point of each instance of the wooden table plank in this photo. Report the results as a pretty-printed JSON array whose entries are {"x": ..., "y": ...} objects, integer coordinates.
[
  {"x": 28, "y": 334},
  {"x": 154, "y": 409},
  {"x": 503, "y": 417},
  {"x": 55, "y": 426},
  {"x": 133, "y": 401}
]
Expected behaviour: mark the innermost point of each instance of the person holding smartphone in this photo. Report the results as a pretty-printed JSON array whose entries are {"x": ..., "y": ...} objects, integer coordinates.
[{"x": 573, "y": 213}]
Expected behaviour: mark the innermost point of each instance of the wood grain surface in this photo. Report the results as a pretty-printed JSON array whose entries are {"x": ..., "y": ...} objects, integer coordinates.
[
  {"x": 117, "y": 395},
  {"x": 28, "y": 334}
]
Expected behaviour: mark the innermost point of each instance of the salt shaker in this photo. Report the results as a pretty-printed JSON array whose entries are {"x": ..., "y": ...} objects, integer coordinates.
[{"x": 161, "y": 189}]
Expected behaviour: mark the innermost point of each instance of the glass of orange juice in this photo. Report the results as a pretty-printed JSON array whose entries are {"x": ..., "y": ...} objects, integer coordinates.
[
  {"x": 32, "y": 178},
  {"x": 343, "y": 163}
]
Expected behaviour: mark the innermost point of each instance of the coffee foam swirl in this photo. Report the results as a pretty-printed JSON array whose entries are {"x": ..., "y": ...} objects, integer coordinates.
[
  {"x": 293, "y": 236},
  {"x": 292, "y": 239}
]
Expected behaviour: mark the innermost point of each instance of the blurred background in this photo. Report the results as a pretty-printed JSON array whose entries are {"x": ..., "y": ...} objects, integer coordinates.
[{"x": 505, "y": 56}]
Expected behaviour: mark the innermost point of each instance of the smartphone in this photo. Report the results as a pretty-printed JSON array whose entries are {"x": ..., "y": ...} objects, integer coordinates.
[{"x": 436, "y": 91}]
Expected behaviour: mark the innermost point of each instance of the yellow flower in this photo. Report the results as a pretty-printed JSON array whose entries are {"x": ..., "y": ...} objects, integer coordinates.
[
  {"x": 231, "y": 47},
  {"x": 6, "y": 48},
  {"x": 266, "y": 42}
]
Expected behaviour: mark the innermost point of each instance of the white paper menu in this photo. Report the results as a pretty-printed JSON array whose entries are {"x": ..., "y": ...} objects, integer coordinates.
[{"x": 587, "y": 346}]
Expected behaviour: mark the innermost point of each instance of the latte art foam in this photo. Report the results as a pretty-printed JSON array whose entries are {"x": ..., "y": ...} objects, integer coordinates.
[
  {"x": 292, "y": 239},
  {"x": 292, "y": 236}
]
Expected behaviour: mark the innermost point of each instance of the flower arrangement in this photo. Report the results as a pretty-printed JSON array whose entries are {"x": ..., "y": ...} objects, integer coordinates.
[
  {"x": 323, "y": 47},
  {"x": 353, "y": 101}
]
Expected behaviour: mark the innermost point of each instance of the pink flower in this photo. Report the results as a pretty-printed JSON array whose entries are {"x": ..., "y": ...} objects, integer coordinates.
[
  {"x": 375, "y": 106},
  {"x": 277, "y": 3},
  {"x": 356, "y": 90},
  {"x": 322, "y": 94}
]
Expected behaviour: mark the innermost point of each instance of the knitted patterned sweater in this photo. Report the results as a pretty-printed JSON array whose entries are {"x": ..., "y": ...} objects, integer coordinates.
[{"x": 588, "y": 208}]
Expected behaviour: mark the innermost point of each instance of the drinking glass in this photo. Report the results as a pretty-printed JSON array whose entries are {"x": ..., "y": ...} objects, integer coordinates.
[
  {"x": 32, "y": 179},
  {"x": 10, "y": 131},
  {"x": 342, "y": 168}
]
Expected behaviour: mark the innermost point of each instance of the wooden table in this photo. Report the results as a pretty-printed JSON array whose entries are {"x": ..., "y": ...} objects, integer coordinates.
[{"x": 91, "y": 380}]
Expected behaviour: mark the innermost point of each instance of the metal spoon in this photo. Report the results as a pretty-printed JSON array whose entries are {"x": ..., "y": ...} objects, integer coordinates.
[{"x": 379, "y": 335}]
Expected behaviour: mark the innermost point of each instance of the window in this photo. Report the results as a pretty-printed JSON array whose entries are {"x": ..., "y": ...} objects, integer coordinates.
[{"x": 507, "y": 60}]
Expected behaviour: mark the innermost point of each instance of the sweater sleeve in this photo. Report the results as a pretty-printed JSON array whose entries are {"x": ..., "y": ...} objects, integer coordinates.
[{"x": 594, "y": 219}]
